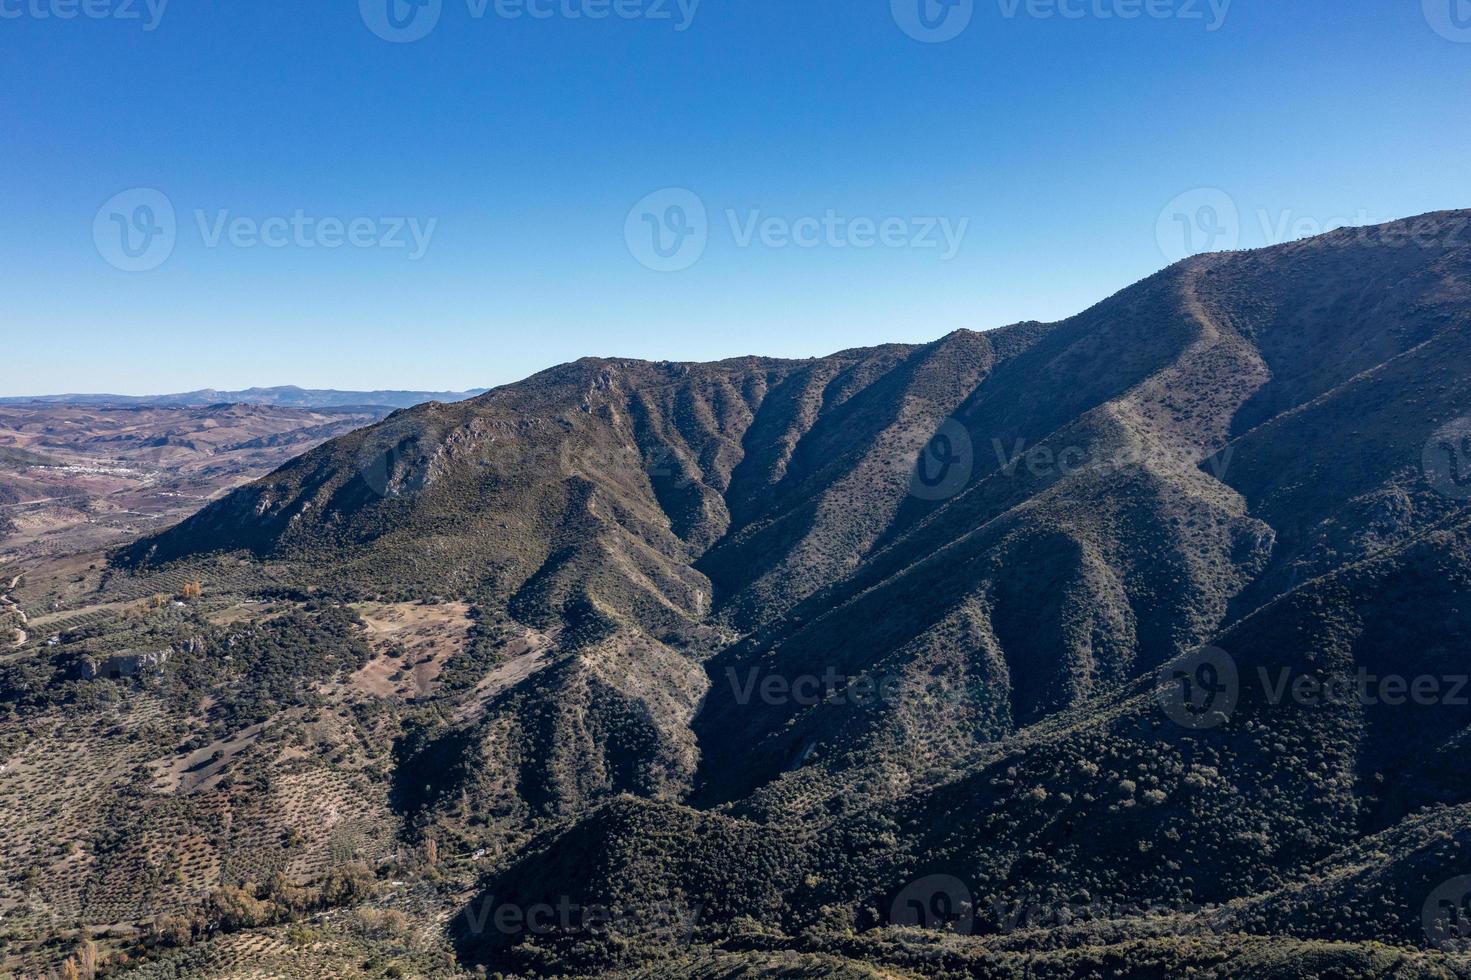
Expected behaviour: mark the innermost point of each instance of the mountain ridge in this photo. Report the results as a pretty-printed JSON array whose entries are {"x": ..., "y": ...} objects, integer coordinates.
[{"x": 981, "y": 553}]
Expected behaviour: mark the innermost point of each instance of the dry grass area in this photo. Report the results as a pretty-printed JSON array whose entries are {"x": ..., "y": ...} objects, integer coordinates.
[
  {"x": 81, "y": 841},
  {"x": 411, "y": 642},
  {"x": 41, "y": 586}
]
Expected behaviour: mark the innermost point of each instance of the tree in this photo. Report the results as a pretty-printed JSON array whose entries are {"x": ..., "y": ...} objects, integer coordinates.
[
  {"x": 173, "y": 930},
  {"x": 238, "y": 908},
  {"x": 87, "y": 959}
]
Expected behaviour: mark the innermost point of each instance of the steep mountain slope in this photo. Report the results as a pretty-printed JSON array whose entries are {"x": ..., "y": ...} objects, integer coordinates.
[
  {"x": 1089, "y": 549},
  {"x": 1119, "y": 809},
  {"x": 784, "y": 638}
]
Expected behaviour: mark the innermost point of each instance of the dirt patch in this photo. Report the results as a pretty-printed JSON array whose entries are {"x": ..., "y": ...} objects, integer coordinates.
[
  {"x": 253, "y": 611},
  {"x": 411, "y": 644}
]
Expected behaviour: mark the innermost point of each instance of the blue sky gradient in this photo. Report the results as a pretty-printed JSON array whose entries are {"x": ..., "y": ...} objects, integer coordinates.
[{"x": 522, "y": 144}]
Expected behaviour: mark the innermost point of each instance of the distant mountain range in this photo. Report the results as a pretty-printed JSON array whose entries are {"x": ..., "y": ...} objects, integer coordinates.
[{"x": 288, "y": 396}]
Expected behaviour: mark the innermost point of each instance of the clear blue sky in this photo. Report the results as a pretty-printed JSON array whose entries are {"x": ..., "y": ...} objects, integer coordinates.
[{"x": 527, "y": 142}]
